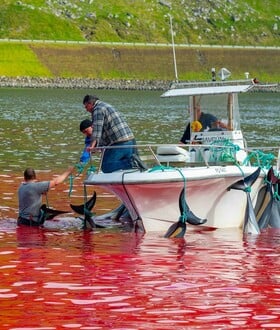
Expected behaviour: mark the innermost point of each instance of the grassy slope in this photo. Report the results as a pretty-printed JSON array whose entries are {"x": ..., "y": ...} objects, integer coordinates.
[
  {"x": 131, "y": 62},
  {"x": 20, "y": 60},
  {"x": 138, "y": 21},
  {"x": 236, "y": 22},
  {"x": 23, "y": 22}
]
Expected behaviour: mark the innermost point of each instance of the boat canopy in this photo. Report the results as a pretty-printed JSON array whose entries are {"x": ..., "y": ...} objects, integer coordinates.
[{"x": 209, "y": 90}]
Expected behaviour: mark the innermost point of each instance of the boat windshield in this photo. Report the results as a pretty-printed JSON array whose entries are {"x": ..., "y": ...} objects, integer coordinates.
[{"x": 223, "y": 107}]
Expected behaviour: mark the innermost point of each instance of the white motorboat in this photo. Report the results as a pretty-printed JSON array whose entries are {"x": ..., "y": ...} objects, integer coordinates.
[{"x": 193, "y": 182}]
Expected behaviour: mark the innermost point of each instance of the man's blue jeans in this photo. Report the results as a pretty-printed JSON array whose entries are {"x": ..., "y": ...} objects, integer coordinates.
[{"x": 118, "y": 158}]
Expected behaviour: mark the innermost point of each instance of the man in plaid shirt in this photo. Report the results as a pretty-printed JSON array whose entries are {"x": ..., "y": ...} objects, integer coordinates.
[{"x": 110, "y": 129}]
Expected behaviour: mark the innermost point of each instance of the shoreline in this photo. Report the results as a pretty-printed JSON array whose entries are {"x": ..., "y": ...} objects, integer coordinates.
[{"x": 86, "y": 83}]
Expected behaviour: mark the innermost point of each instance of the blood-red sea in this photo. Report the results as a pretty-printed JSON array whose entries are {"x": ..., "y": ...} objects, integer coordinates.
[{"x": 52, "y": 278}]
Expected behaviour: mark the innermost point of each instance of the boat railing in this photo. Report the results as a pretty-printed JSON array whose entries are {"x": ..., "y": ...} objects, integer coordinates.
[
  {"x": 189, "y": 154},
  {"x": 194, "y": 155}
]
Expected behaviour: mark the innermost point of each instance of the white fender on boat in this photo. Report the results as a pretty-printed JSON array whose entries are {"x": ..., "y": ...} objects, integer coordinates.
[{"x": 172, "y": 154}]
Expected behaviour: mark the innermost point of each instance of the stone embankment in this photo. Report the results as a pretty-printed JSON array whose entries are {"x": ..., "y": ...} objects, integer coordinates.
[
  {"x": 86, "y": 83},
  {"x": 83, "y": 83}
]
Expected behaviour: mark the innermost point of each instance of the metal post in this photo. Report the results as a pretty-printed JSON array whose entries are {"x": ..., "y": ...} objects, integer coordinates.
[{"x": 173, "y": 47}]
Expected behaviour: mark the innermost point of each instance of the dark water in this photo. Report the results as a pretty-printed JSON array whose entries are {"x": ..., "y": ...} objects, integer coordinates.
[{"x": 62, "y": 277}]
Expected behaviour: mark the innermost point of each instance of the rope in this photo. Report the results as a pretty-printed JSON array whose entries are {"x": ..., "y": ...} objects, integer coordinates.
[
  {"x": 275, "y": 194},
  {"x": 161, "y": 168},
  {"x": 223, "y": 154},
  {"x": 91, "y": 169},
  {"x": 80, "y": 169},
  {"x": 247, "y": 189},
  {"x": 260, "y": 159},
  {"x": 224, "y": 150}
]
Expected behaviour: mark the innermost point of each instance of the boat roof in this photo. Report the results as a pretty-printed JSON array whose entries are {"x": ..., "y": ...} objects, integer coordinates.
[{"x": 206, "y": 90}]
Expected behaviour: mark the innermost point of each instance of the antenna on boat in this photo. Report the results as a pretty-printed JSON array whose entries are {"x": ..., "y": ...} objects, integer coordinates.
[{"x": 173, "y": 47}]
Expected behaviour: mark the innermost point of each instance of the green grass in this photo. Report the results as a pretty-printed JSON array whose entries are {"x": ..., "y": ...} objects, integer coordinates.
[
  {"x": 20, "y": 22},
  {"x": 219, "y": 22},
  {"x": 131, "y": 62},
  {"x": 20, "y": 60}
]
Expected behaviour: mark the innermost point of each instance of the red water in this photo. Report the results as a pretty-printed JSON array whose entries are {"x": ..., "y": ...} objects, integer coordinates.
[
  {"x": 108, "y": 279},
  {"x": 62, "y": 277}
]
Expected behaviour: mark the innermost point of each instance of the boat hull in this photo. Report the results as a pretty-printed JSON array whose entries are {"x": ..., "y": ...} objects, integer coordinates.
[{"x": 153, "y": 196}]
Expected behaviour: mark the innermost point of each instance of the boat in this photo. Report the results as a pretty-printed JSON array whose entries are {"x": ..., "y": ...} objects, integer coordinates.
[{"x": 199, "y": 182}]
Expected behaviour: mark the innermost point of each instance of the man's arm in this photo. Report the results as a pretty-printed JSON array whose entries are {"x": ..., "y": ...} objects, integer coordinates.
[
  {"x": 59, "y": 179},
  {"x": 92, "y": 146}
]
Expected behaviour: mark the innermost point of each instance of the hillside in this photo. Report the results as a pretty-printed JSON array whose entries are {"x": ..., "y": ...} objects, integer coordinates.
[
  {"x": 131, "y": 39},
  {"x": 131, "y": 62},
  {"x": 212, "y": 22}
]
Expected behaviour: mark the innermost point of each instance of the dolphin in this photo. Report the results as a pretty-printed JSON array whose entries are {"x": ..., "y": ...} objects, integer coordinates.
[
  {"x": 250, "y": 225},
  {"x": 85, "y": 208},
  {"x": 115, "y": 214},
  {"x": 274, "y": 221},
  {"x": 250, "y": 222},
  {"x": 178, "y": 229},
  {"x": 192, "y": 219},
  {"x": 264, "y": 200},
  {"x": 264, "y": 195},
  {"x": 94, "y": 222},
  {"x": 269, "y": 213},
  {"x": 49, "y": 213},
  {"x": 89, "y": 221}
]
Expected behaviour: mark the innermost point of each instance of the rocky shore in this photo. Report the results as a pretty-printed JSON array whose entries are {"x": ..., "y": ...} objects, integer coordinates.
[
  {"x": 83, "y": 83},
  {"x": 86, "y": 83}
]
